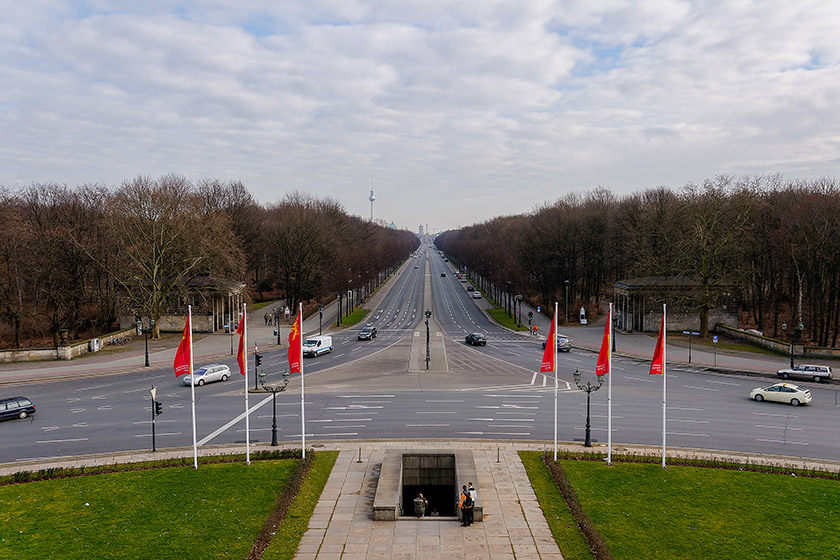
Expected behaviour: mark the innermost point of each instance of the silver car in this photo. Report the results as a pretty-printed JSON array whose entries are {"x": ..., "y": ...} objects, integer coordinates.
[
  {"x": 810, "y": 372},
  {"x": 563, "y": 343},
  {"x": 208, "y": 374}
]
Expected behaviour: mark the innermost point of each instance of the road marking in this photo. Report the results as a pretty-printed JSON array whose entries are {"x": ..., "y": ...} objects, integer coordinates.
[
  {"x": 80, "y": 425},
  {"x": 685, "y": 408},
  {"x": 782, "y": 441},
  {"x": 454, "y": 401},
  {"x": 436, "y": 412},
  {"x": 495, "y": 433},
  {"x": 158, "y": 434},
  {"x": 99, "y": 397},
  {"x": 149, "y": 421},
  {"x": 342, "y": 420},
  {"x": 639, "y": 379},
  {"x": 74, "y": 400},
  {"x": 502, "y": 412},
  {"x": 701, "y": 388},
  {"x": 62, "y": 440},
  {"x": 77, "y": 410},
  {"x": 50, "y": 428},
  {"x": 351, "y": 406},
  {"x": 426, "y": 425},
  {"x": 777, "y": 427},
  {"x": 93, "y": 387},
  {"x": 723, "y": 383},
  {"x": 365, "y": 396},
  {"x": 234, "y": 421},
  {"x": 137, "y": 390},
  {"x": 776, "y": 415},
  {"x": 297, "y": 436},
  {"x": 105, "y": 407},
  {"x": 686, "y": 434},
  {"x": 688, "y": 421},
  {"x": 345, "y": 426}
]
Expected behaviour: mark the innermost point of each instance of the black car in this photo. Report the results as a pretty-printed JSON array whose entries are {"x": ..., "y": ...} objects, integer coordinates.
[
  {"x": 443, "y": 275},
  {"x": 367, "y": 333},
  {"x": 476, "y": 338},
  {"x": 16, "y": 407}
]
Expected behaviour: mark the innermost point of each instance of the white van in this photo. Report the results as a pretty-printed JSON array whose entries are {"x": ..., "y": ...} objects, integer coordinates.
[{"x": 316, "y": 346}]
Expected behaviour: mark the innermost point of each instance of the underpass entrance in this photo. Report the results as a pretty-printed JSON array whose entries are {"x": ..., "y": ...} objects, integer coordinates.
[{"x": 432, "y": 475}]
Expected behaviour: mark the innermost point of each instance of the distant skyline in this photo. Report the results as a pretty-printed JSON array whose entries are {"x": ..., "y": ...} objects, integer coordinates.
[{"x": 461, "y": 111}]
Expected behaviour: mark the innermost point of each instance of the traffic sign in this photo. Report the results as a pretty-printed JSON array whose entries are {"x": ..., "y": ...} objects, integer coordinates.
[{"x": 714, "y": 339}]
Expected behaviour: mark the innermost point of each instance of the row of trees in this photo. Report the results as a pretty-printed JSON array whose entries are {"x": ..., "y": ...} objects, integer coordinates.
[
  {"x": 775, "y": 242},
  {"x": 75, "y": 259}
]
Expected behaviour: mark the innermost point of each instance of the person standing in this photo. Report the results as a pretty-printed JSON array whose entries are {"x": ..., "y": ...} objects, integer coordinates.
[
  {"x": 420, "y": 504},
  {"x": 466, "y": 505}
]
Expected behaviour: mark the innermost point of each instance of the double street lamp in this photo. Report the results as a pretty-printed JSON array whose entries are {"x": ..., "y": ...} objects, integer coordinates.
[
  {"x": 589, "y": 388},
  {"x": 146, "y": 332},
  {"x": 428, "y": 356},
  {"x": 274, "y": 389},
  {"x": 794, "y": 335}
]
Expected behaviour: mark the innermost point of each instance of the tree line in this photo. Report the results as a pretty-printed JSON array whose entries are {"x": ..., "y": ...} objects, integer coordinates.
[
  {"x": 774, "y": 242},
  {"x": 75, "y": 259}
]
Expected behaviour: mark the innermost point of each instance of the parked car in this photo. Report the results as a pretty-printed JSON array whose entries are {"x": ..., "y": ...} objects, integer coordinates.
[
  {"x": 16, "y": 407},
  {"x": 563, "y": 343},
  {"x": 817, "y": 373},
  {"x": 782, "y": 392},
  {"x": 463, "y": 280},
  {"x": 476, "y": 338},
  {"x": 476, "y": 295},
  {"x": 367, "y": 333},
  {"x": 470, "y": 288},
  {"x": 415, "y": 266},
  {"x": 208, "y": 374}
]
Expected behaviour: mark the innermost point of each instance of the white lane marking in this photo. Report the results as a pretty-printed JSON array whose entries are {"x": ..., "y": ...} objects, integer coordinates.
[
  {"x": 723, "y": 383},
  {"x": 105, "y": 407},
  {"x": 436, "y": 412},
  {"x": 453, "y": 401},
  {"x": 688, "y": 421},
  {"x": 686, "y": 408},
  {"x": 327, "y": 420},
  {"x": 61, "y": 440},
  {"x": 74, "y": 400},
  {"x": 234, "y": 421},
  {"x": 158, "y": 434},
  {"x": 99, "y": 397},
  {"x": 495, "y": 433},
  {"x": 520, "y": 413},
  {"x": 310, "y": 435},
  {"x": 345, "y": 426},
  {"x": 639, "y": 379},
  {"x": 365, "y": 396},
  {"x": 50, "y": 428},
  {"x": 136, "y": 390},
  {"x": 93, "y": 387},
  {"x": 80, "y": 425},
  {"x": 782, "y": 441},
  {"x": 701, "y": 388},
  {"x": 776, "y": 414},
  {"x": 77, "y": 410},
  {"x": 777, "y": 427},
  {"x": 351, "y": 406},
  {"x": 149, "y": 421},
  {"x": 686, "y": 434}
]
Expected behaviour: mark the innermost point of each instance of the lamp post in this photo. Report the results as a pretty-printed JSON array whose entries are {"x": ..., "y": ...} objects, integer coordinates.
[
  {"x": 566, "y": 324},
  {"x": 519, "y": 313},
  {"x": 794, "y": 335},
  {"x": 428, "y": 356},
  {"x": 153, "y": 391},
  {"x": 146, "y": 332},
  {"x": 320, "y": 317},
  {"x": 274, "y": 389},
  {"x": 589, "y": 388}
]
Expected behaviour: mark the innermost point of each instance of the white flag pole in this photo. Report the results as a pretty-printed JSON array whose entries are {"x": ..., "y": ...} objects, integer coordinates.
[
  {"x": 556, "y": 384},
  {"x": 245, "y": 363},
  {"x": 192, "y": 388},
  {"x": 302, "y": 412},
  {"x": 664, "y": 393},
  {"x": 609, "y": 386}
]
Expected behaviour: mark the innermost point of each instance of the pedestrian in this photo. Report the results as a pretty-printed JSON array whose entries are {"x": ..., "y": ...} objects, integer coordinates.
[
  {"x": 420, "y": 504},
  {"x": 473, "y": 493},
  {"x": 265, "y": 318},
  {"x": 466, "y": 504}
]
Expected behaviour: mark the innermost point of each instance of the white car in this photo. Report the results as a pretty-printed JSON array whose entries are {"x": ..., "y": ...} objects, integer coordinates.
[
  {"x": 782, "y": 392},
  {"x": 208, "y": 374}
]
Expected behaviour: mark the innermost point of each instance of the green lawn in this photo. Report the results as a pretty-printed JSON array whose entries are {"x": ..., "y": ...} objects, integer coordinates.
[
  {"x": 500, "y": 315},
  {"x": 215, "y": 511},
  {"x": 356, "y": 316},
  {"x": 644, "y": 511}
]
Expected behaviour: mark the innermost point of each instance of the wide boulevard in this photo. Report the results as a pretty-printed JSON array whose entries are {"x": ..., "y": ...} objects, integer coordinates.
[{"x": 371, "y": 389}]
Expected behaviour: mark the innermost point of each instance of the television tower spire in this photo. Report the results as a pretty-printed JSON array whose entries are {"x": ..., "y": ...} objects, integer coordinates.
[{"x": 372, "y": 196}]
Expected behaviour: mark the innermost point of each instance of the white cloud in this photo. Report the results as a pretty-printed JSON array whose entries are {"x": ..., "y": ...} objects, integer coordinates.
[{"x": 464, "y": 110}]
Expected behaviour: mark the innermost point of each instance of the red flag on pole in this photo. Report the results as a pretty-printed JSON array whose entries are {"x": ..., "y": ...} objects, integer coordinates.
[
  {"x": 548, "y": 354},
  {"x": 182, "y": 356},
  {"x": 657, "y": 365},
  {"x": 603, "y": 364},
  {"x": 240, "y": 355},
  {"x": 294, "y": 346}
]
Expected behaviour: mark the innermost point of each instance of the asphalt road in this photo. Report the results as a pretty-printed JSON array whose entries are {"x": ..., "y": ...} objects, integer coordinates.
[{"x": 363, "y": 389}]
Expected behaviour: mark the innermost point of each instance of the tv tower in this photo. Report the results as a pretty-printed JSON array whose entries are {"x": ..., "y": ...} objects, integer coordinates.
[{"x": 372, "y": 196}]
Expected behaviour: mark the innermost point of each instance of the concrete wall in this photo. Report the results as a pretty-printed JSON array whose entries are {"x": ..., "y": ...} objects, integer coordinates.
[{"x": 53, "y": 353}]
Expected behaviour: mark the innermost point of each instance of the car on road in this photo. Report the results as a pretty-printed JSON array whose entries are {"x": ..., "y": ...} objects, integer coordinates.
[
  {"x": 805, "y": 371},
  {"x": 317, "y": 345},
  {"x": 415, "y": 266},
  {"x": 208, "y": 374},
  {"x": 367, "y": 333},
  {"x": 16, "y": 407},
  {"x": 782, "y": 392},
  {"x": 476, "y": 339},
  {"x": 462, "y": 280},
  {"x": 563, "y": 343},
  {"x": 443, "y": 275},
  {"x": 476, "y": 295}
]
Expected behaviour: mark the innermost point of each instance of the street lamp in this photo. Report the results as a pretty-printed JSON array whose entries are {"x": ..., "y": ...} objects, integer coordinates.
[
  {"x": 519, "y": 314},
  {"x": 146, "y": 333},
  {"x": 588, "y": 389},
  {"x": 793, "y": 336},
  {"x": 274, "y": 389},
  {"x": 320, "y": 317},
  {"x": 566, "y": 324},
  {"x": 428, "y": 356}
]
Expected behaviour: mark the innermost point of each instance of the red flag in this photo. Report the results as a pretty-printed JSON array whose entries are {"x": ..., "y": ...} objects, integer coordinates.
[
  {"x": 240, "y": 355},
  {"x": 603, "y": 364},
  {"x": 549, "y": 353},
  {"x": 182, "y": 356},
  {"x": 657, "y": 365},
  {"x": 294, "y": 346}
]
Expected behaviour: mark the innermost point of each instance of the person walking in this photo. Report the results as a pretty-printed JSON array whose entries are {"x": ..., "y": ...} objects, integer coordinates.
[
  {"x": 420, "y": 504},
  {"x": 465, "y": 502}
]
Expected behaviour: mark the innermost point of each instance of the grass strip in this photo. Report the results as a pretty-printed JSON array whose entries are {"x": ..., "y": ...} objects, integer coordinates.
[
  {"x": 356, "y": 316},
  {"x": 500, "y": 315},
  {"x": 288, "y": 534},
  {"x": 215, "y": 511},
  {"x": 557, "y": 514}
]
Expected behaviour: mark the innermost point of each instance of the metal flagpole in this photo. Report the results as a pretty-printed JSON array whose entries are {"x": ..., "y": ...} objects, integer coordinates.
[
  {"x": 245, "y": 362},
  {"x": 192, "y": 388},
  {"x": 554, "y": 365},
  {"x": 302, "y": 412},
  {"x": 664, "y": 331},
  {"x": 609, "y": 387}
]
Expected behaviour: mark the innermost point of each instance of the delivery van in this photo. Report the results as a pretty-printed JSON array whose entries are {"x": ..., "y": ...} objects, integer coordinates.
[{"x": 316, "y": 346}]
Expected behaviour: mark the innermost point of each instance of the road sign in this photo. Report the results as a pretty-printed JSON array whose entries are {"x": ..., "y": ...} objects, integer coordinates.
[
  {"x": 538, "y": 309},
  {"x": 714, "y": 339},
  {"x": 691, "y": 332}
]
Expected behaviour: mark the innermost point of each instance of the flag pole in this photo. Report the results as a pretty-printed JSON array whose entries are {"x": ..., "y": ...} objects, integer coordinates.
[
  {"x": 553, "y": 343},
  {"x": 192, "y": 389},
  {"x": 609, "y": 386},
  {"x": 302, "y": 412},
  {"x": 245, "y": 375},
  {"x": 664, "y": 376}
]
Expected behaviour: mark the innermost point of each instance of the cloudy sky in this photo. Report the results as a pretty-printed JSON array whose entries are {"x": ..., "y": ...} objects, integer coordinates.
[{"x": 461, "y": 110}]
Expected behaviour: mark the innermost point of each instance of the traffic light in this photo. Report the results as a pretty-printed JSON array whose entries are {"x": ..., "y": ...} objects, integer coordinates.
[
  {"x": 158, "y": 408},
  {"x": 257, "y": 359}
]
